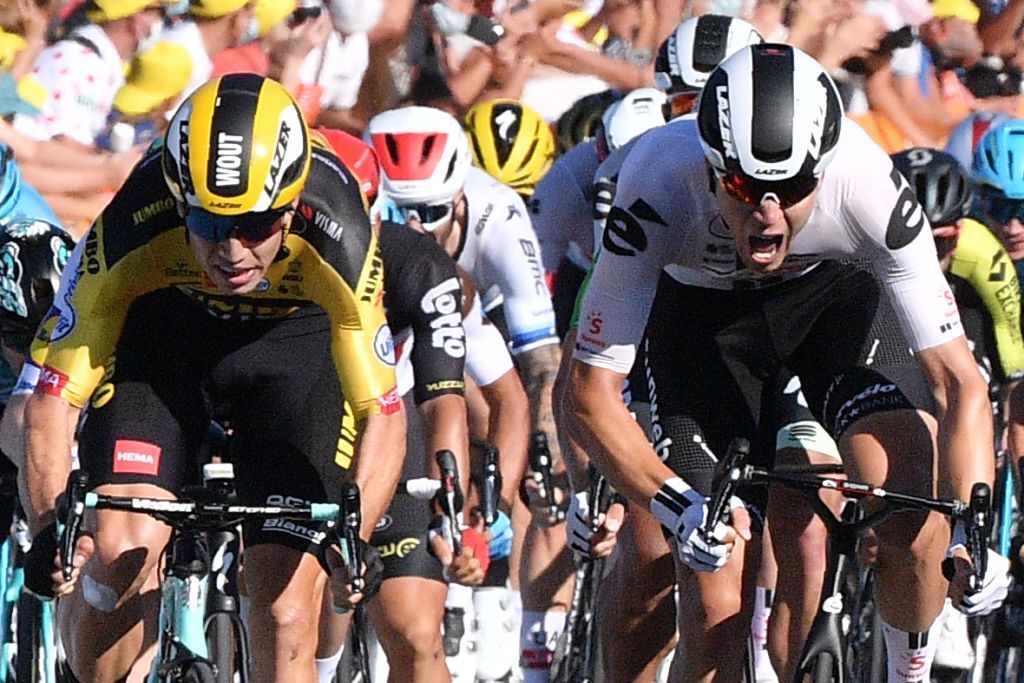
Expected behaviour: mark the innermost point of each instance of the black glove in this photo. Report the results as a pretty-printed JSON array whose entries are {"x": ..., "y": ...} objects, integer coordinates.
[
  {"x": 39, "y": 562},
  {"x": 373, "y": 565}
]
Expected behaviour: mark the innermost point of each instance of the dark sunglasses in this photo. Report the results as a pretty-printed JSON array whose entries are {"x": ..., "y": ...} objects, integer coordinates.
[
  {"x": 1001, "y": 209},
  {"x": 752, "y": 191},
  {"x": 430, "y": 216},
  {"x": 679, "y": 104},
  {"x": 250, "y": 228}
]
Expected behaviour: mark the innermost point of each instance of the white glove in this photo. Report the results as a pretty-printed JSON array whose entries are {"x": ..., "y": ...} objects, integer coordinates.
[
  {"x": 994, "y": 587},
  {"x": 683, "y": 510},
  {"x": 577, "y": 525}
]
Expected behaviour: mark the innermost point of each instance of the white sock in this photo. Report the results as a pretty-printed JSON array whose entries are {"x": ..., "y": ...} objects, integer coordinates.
[
  {"x": 911, "y": 654},
  {"x": 759, "y": 626},
  {"x": 538, "y": 636},
  {"x": 459, "y": 596},
  {"x": 327, "y": 667}
]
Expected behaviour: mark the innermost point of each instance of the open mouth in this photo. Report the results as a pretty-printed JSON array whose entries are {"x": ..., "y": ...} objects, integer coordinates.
[
  {"x": 763, "y": 248},
  {"x": 236, "y": 277}
]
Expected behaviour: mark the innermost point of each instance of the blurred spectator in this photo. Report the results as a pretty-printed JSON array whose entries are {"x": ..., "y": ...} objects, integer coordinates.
[
  {"x": 23, "y": 34},
  {"x": 272, "y": 17},
  {"x": 209, "y": 28},
  {"x": 83, "y": 72},
  {"x": 141, "y": 107},
  {"x": 999, "y": 25}
]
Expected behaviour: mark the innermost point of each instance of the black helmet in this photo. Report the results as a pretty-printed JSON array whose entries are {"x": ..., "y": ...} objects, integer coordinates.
[
  {"x": 32, "y": 257},
  {"x": 580, "y": 121},
  {"x": 939, "y": 181}
]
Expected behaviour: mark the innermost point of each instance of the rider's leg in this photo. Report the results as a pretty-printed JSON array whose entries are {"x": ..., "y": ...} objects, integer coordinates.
[
  {"x": 285, "y": 589},
  {"x": 637, "y": 601},
  {"x": 109, "y": 625},
  {"x": 407, "y": 614},
  {"x": 546, "y": 589}
]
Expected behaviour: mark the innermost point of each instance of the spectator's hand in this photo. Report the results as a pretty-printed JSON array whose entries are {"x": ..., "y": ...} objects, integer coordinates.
[
  {"x": 33, "y": 20},
  {"x": 309, "y": 35},
  {"x": 857, "y": 36}
]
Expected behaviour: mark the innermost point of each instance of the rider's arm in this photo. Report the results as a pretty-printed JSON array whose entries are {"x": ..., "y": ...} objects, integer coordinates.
[
  {"x": 379, "y": 455},
  {"x": 49, "y": 425},
  {"x": 508, "y": 429}
]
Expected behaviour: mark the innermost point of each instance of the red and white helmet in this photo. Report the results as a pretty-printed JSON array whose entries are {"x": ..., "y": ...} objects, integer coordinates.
[
  {"x": 423, "y": 154},
  {"x": 358, "y": 156}
]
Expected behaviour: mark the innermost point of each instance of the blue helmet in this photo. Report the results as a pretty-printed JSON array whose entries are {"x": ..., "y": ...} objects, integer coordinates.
[{"x": 998, "y": 163}]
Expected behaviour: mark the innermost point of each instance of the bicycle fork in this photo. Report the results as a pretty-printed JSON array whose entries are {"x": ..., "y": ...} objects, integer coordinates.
[{"x": 183, "y": 608}]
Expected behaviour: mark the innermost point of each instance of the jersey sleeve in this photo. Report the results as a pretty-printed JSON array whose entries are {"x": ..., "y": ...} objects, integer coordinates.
[
  {"x": 984, "y": 264},
  {"x": 615, "y": 302},
  {"x": 79, "y": 334},
  {"x": 511, "y": 259},
  {"x": 891, "y": 230},
  {"x": 558, "y": 210},
  {"x": 424, "y": 293},
  {"x": 487, "y": 357}
]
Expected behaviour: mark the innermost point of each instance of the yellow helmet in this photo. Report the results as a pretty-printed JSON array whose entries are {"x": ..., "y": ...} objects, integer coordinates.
[
  {"x": 511, "y": 142},
  {"x": 239, "y": 144}
]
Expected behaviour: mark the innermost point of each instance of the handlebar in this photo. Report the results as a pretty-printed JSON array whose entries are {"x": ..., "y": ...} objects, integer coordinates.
[
  {"x": 78, "y": 482},
  {"x": 730, "y": 471},
  {"x": 540, "y": 462},
  {"x": 449, "y": 497}
]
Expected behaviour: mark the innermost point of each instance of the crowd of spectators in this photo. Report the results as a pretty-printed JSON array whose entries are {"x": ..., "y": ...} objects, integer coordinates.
[{"x": 86, "y": 86}]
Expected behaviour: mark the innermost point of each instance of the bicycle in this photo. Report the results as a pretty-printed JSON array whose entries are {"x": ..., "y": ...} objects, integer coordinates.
[
  {"x": 576, "y": 656},
  {"x": 183, "y": 652},
  {"x": 824, "y": 656}
]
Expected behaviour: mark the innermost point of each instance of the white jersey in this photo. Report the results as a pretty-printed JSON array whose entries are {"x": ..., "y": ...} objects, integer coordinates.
[
  {"x": 499, "y": 250},
  {"x": 665, "y": 216},
  {"x": 562, "y": 208}
]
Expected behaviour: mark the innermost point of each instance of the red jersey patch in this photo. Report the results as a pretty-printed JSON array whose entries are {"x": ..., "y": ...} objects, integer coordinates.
[
  {"x": 136, "y": 457},
  {"x": 51, "y": 381}
]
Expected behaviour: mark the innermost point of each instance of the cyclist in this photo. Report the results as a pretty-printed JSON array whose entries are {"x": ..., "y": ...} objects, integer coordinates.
[
  {"x": 988, "y": 295},
  {"x": 425, "y": 161},
  {"x": 235, "y": 275},
  {"x": 793, "y": 187},
  {"x": 562, "y": 216},
  {"x": 511, "y": 143},
  {"x": 424, "y": 299}
]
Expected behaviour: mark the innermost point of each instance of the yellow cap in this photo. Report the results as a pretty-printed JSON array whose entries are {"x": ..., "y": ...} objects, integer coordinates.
[
  {"x": 102, "y": 11},
  {"x": 157, "y": 75},
  {"x": 962, "y": 9},
  {"x": 10, "y": 45},
  {"x": 214, "y": 9},
  {"x": 270, "y": 13}
]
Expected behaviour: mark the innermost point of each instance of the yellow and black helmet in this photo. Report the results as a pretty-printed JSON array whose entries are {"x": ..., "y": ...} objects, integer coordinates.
[
  {"x": 511, "y": 142},
  {"x": 238, "y": 144}
]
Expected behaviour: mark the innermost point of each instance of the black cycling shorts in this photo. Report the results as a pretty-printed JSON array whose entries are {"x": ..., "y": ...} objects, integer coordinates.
[
  {"x": 718, "y": 360},
  {"x": 274, "y": 381}
]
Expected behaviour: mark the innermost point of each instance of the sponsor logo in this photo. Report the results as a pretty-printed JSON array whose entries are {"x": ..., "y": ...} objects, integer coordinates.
[
  {"x": 769, "y": 171},
  {"x": 400, "y": 548},
  {"x": 287, "y": 526},
  {"x": 818, "y": 122},
  {"x": 448, "y": 334},
  {"x": 594, "y": 323},
  {"x": 478, "y": 228},
  {"x": 225, "y": 205},
  {"x": 51, "y": 381},
  {"x": 722, "y": 94},
  {"x": 446, "y": 384},
  {"x": 187, "y": 188},
  {"x": 346, "y": 446},
  {"x": 92, "y": 250},
  {"x": 833, "y": 604},
  {"x": 907, "y": 218},
  {"x": 136, "y": 457},
  {"x": 383, "y": 523},
  {"x": 328, "y": 225},
  {"x": 533, "y": 257},
  {"x": 263, "y": 285},
  {"x": 384, "y": 345},
  {"x": 150, "y": 210},
  {"x": 389, "y": 402},
  {"x": 229, "y": 160},
  {"x": 658, "y": 438},
  {"x": 12, "y": 299},
  {"x": 278, "y": 161},
  {"x": 373, "y": 287}
]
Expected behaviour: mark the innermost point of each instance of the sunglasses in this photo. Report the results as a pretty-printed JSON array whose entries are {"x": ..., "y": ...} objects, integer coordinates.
[
  {"x": 1001, "y": 209},
  {"x": 249, "y": 228},
  {"x": 679, "y": 104},
  {"x": 752, "y": 191},
  {"x": 430, "y": 216}
]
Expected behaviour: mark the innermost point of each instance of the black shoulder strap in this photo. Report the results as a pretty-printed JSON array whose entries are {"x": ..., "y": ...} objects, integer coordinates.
[{"x": 85, "y": 42}]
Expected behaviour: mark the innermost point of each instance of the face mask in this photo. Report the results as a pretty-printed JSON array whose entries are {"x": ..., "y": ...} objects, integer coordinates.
[
  {"x": 355, "y": 16},
  {"x": 156, "y": 29},
  {"x": 252, "y": 32}
]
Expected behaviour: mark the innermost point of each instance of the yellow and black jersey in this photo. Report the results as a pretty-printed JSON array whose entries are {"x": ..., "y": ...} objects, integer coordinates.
[
  {"x": 139, "y": 244},
  {"x": 981, "y": 262}
]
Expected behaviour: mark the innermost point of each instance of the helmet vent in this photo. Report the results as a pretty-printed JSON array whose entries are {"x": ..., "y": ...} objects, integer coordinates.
[{"x": 428, "y": 146}]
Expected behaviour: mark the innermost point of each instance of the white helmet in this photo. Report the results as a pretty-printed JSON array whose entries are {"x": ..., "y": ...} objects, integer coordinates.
[
  {"x": 770, "y": 113},
  {"x": 423, "y": 153},
  {"x": 636, "y": 113},
  {"x": 688, "y": 56}
]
